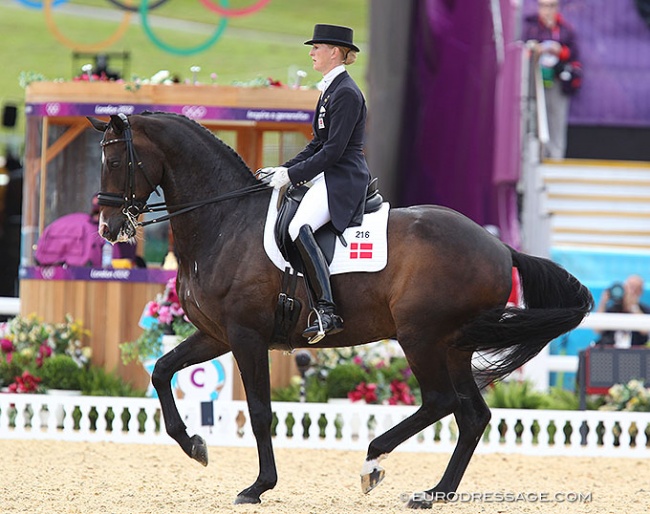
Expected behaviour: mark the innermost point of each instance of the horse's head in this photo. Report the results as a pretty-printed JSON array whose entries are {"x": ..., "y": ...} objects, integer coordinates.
[{"x": 125, "y": 185}]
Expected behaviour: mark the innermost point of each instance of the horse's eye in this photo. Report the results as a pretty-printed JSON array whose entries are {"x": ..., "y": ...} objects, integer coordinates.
[{"x": 115, "y": 164}]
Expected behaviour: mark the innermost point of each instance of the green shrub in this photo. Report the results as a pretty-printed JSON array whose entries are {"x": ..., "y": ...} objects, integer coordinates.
[
  {"x": 99, "y": 382},
  {"x": 561, "y": 399},
  {"x": 344, "y": 378},
  {"x": 394, "y": 371},
  {"x": 514, "y": 395},
  {"x": 9, "y": 371},
  {"x": 61, "y": 372},
  {"x": 290, "y": 393},
  {"x": 315, "y": 391}
]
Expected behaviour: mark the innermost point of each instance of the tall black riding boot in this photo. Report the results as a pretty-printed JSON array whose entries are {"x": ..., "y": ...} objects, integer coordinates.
[{"x": 318, "y": 278}]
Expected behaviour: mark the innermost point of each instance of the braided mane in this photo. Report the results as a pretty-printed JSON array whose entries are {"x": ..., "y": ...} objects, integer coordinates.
[{"x": 202, "y": 130}]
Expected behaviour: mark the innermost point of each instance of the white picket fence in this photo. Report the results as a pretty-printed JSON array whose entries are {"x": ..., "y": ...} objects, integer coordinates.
[{"x": 324, "y": 426}]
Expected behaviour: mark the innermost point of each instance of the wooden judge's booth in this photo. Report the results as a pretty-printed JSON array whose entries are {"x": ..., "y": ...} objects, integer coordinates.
[{"x": 266, "y": 126}]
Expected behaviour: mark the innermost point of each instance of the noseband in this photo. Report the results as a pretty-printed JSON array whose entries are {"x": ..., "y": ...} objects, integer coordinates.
[{"x": 132, "y": 207}]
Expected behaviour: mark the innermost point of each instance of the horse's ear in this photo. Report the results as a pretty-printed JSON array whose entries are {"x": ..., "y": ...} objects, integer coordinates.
[
  {"x": 98, "y": 124},
  {"x": 118, "y": 123}
]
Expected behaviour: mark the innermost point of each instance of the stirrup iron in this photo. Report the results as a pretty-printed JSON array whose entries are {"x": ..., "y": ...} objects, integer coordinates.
[{"x": 321, "y": 331}]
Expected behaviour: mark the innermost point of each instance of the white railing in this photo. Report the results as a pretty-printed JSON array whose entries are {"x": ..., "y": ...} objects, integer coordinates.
[
  {"x": 9, "y": 306},
  {"x": 324, "y": 426},
  {"x": 616, "y": 321}
]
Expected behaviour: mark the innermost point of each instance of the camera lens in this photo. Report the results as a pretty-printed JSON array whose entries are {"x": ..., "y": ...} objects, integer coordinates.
[{"x": 616, "y": 292}]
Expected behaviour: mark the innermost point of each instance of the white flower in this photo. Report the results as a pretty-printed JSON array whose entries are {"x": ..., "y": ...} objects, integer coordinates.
[{"x": 159, "y": 77}]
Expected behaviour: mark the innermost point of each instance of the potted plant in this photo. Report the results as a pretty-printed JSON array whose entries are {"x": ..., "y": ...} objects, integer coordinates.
[
  {"x": 28, "y": 344},
  {"x": 162, "y": 316},
  {"x": 633, "y": 397},
  {"x": 376, "y": 373}
]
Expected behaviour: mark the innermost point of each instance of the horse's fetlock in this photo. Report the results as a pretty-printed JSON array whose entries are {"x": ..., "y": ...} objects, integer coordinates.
[{"x": 176, "y": 430}]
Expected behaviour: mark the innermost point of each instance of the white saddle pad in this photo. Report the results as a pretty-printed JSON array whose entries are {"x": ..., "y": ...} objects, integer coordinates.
[{"x": 367, "y": 248}]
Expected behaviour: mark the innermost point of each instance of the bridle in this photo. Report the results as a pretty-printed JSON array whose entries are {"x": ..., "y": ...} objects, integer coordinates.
[{"x": 132, "y": 207}]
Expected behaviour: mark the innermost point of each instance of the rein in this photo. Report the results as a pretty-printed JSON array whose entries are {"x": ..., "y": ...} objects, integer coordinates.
[
  {"x": 187, "y": 207},
  {"x": 132, "y": 207}
]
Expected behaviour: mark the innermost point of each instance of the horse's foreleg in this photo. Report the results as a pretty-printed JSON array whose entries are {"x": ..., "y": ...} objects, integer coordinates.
[
  {"x": 253, "y": 362},
  {"x": 195, "y": 349},
  {"x": 438, "y": 400}
]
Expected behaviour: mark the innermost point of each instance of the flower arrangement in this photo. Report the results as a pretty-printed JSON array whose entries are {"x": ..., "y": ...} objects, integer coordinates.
[
  {"x": 161, "y": 316},
  {"x": 25, "y": 78},
  {"x": 30, "y": 349},
  {"x": 633, "y": 396},
  {"x": 377, "y": 373}
]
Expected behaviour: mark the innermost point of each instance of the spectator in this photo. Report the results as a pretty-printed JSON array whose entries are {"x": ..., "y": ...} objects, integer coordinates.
[
  {"x": 624, "y": 298},
  {"x": 73, "y": 240},
  {"x": 556, "y": 50}
]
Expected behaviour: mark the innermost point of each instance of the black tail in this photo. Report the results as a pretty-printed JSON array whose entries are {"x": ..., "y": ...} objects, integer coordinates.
[{"x": 555, "y": 303}]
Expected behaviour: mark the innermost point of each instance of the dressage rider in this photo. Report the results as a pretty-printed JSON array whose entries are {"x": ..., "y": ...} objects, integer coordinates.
[{"x": 333, "y": 164}]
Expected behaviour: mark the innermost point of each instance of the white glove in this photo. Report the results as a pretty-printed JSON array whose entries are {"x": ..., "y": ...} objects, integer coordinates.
[
  {"x": 265, "y": 174},
  {"x": 280, "y": 177}
]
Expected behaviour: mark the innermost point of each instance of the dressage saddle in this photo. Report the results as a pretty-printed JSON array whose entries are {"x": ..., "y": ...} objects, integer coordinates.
[{"x": 325, "y": 236}]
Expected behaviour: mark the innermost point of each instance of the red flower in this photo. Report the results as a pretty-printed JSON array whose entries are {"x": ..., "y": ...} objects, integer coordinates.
[
  {"x": 172, "y": 296},
  {"x": 400, "y": 393},
  {"x": 44, "y": 352},
  {"x": 6, "y": 345},
  {"x": 25, "y": 383},
  {"x": 363, "y": 391}
]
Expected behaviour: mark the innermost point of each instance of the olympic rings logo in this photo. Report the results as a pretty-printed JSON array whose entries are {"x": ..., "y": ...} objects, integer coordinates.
[
  {"x": 223, "y": 9},
  {"x": 194, "y": 111},
  {"x": 47, "y": 273},
  {"x": 53, "y": 108}
]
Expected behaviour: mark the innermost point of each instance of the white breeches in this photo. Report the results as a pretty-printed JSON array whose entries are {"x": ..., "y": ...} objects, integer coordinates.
[{"x": 313, "y": 209}]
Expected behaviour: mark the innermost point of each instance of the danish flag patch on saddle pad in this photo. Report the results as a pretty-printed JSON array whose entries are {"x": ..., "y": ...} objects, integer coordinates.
[{"x": 366, "y": 250}]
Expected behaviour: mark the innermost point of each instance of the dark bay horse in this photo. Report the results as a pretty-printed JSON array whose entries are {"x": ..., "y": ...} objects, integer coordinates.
[{"x": 442, "y": 294}]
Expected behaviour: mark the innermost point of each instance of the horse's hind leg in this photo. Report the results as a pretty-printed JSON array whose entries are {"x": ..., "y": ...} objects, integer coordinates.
[
  {"x": 472, "y": 416},
  {"x": 195, "y": 349},
  {"x": 439, "y": 399}
]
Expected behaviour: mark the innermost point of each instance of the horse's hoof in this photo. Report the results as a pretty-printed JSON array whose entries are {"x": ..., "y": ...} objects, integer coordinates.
[
  {"x": 419, "y": 504},
  {"x": 243, "y": 499},
  {"x": 199, "y": 450},
  {"x": 372, "y": 479}
]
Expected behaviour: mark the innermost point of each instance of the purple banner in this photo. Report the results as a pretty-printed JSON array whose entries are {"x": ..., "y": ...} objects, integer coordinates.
[
  {"x": 158, "y": 276},
  {"x": 196, "y": 112}
]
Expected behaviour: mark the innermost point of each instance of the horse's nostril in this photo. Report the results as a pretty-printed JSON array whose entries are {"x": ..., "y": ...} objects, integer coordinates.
[{"x": 103, "y": 230}]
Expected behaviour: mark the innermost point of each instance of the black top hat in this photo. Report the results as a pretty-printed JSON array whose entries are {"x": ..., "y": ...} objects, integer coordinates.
[{"x": 333, "y": 35}]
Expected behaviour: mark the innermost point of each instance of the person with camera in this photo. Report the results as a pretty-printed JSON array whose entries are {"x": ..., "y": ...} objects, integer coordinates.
[
  {"x": 624, "y": 298},
  {"x": 554, "y": 45}
]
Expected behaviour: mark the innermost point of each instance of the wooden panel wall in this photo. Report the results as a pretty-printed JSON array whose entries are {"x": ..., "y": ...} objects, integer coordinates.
[{"x": 111, "y": 311}]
